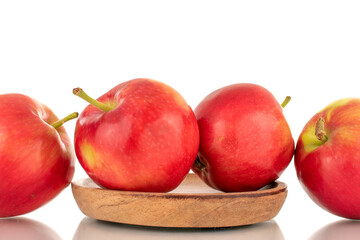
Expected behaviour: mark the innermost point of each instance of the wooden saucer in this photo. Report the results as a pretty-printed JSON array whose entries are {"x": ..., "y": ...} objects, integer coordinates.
[{"x": 192, "y": 205}]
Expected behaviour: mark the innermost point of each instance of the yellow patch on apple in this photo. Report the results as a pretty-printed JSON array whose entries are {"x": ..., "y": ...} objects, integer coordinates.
[
  {"x": 310, "y": 140},
  {"x": 89, "y": 154},
  {"x": 330, "y": 108}
]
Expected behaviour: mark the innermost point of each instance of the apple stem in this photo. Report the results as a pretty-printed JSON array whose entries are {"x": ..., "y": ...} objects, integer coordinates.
[
  {"x": 286, "y": 101},
  {"x": 198, "y": 163},
  {"x": 59, "y": 123},
  {"x": 319, "y": 130},
  {"x": 80, "y": 93}
]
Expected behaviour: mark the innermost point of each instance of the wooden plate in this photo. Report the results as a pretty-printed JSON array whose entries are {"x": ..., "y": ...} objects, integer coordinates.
[{"x": 192, "y": 205}]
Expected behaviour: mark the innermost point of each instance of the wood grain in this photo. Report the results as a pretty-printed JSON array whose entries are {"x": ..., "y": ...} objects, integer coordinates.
[{"x": 192, "y": 205}]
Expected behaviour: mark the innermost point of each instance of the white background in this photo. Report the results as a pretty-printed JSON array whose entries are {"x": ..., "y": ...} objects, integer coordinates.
[{"x": 309, "y": 50}]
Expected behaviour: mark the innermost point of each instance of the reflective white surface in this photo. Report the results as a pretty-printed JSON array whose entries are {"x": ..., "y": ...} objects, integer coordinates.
[
  {"x": 342, "y": 229},
  {"x": 90, "y": 229},
  {"x": 20, "y": 228},
  {"x": 25, "y": 228}
]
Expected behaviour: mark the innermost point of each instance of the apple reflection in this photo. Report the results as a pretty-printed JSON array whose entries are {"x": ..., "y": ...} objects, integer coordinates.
[
  {"x": 91, "y": 229},
  {"x": 343, "y": 229},
  {"x": 24, "y": 228}
]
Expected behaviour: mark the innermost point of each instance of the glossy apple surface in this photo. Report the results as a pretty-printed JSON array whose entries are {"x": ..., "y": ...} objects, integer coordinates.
[
  {"x": 146, "y": 141},
  {"x": 246, "y": 142},
  {"x": 36, "y": 159},
  {"x": 328, "y": 169}
]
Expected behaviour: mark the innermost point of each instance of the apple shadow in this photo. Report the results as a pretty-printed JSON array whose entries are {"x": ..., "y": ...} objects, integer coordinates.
[
  {"x": 19, "y": 228},
  {"x": 89, "y": 229},
  {"x": 342, "y": 229}
]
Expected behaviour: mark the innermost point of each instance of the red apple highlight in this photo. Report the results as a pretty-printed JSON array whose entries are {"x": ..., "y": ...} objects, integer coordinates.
[
  {"x": 139, "y": 136},
  {"x": 246, "y": 142},
  {"x": 36, "y": 156},
  {"x": 327, "y": 158}
]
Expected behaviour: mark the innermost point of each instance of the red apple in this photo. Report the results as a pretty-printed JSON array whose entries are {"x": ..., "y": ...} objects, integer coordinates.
[
  {"x": 327, "y": 158},
  {"x": 140, "y": 136},
  {"x": 36, "y": 156},
  {"x": 246, "y": 142}
]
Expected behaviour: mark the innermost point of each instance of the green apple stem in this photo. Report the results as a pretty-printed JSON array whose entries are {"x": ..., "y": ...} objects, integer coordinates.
[
  {"x": 319, "y": 130},
  {"x": 286, "y": 101},
  {"x": 59, "y": 123},
  {"x": 80, "y": 93}
]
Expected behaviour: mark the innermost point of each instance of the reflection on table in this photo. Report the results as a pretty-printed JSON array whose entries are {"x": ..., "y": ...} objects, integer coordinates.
[
  {"x": 90, "y": 229},
  {"x": 25, "y": 229},
  {"x": 343, "y": 229}
]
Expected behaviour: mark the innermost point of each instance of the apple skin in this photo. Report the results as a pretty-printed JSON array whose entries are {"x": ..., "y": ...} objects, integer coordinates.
[
  {"x": 36, "y": 160},
  {"x": 246, "y": 142},
  {"x": 147, "y": 142},
  {"x": 329, "y": 172}
]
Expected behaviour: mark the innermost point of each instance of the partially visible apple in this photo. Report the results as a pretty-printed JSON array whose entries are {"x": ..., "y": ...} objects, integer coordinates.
[
  {"x": 139, "y": 136},
  {"x": 327, "y": 158},
  {"x": 246, "y": 142},
  {"x": 36, "y": 156}
]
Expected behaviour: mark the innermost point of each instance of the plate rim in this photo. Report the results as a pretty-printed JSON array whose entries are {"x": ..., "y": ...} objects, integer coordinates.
[{"x": 278, "y": 187}]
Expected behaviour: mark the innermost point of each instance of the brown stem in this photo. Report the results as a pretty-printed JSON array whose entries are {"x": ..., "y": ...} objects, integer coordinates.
[
  {"x": 198, "y": 163},
  {"x": 320, "y": 130}
]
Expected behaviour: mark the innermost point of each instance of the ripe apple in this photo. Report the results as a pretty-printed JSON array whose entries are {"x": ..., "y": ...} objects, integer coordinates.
[
  {"x": 327, "y": 158},
  {"x": 246, "y": 142},
  {"x": 36, "y": 156},
  {"x": 139, "y": 136}
]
